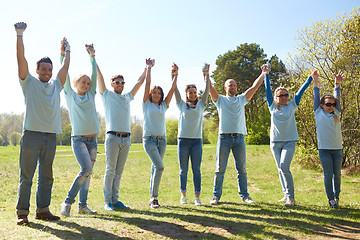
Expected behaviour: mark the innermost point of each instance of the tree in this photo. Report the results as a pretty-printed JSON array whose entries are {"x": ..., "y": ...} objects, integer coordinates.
[
  {"x": 171, "y": 131},
  {"x": 243, "y": 65},
  {"x": 10, "y": 123},
  {"x": 136, "y": 130},
  {"x": 15, "y": 138},
  {"x": 329, "y": 46}
]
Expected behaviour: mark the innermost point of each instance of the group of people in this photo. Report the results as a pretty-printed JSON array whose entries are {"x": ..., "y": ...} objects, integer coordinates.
[{"x": 43, "y": 121}]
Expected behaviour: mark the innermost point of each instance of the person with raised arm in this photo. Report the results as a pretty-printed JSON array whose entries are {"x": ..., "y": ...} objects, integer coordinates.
[
  {"x": 283, "y": 132},
  {"x": 232, "y": 129},
  {"x": 328, "y": 128},
  {"x": 118, "y": 130},
  {"x": 42, "y": 121},
  {"x": 85, "y": 128},
  {"x": 190, "y": 134},
  {"x": 154, "y": 132}
]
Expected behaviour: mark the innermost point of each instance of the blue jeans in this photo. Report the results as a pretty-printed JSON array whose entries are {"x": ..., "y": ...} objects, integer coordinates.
[
  {"x": 190, "y": 147},
  {"x": 85, "y": 150},
  {"x": 331, "y": 161},
  {"x": 36, "y": 148},
  {"x": 224, "y": 145},
  {"x": 117, "y": 150},
  {"x": 283, "y": 153},
  {"x": 155, "y": 148}
]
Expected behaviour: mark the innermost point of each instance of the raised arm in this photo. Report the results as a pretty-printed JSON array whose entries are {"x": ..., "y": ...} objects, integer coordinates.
[
  {"x": 23, "y": 69},
  {"x": 249, "y": 93},
  {"x": 62, "y": 74},
  {"x": 175, "y": 69},
  {"x": 316, "y": 93},
  {"x": 306, "y": 84},
  {"x": 100, "y": 80},
  {"x": 91, "y": 51},
  {"x": 67, "y": 85},
  {"x": 205, "y": 95},
  {"x": 174, "y": 72},
  {"x": 338, "y": 79},
  {"x": 149, "y": 64},
  {"x": 138, "y": 84}
]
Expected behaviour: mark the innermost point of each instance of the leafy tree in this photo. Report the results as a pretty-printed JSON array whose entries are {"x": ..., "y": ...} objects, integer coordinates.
[
  {"x": 15, "y": 138},
  {"x": 171, "y": 131},
  {"x": 136, "y": 130},
  {"x": 329, "y": 46},
  {"x": 243, "y": 65},
  {"x": 10, "y": 123},
  {"x": 1, "y": 141}
]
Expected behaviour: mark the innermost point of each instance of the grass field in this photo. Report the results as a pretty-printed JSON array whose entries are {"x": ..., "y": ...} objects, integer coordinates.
[{"x": 311, "y": 218}]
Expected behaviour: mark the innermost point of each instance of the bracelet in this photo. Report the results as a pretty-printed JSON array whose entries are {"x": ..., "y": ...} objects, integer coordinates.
[{"x": 67, "y": 51}]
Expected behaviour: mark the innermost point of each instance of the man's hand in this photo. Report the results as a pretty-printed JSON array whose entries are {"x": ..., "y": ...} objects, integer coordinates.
[
  {"x": 206, "y": 69},
  {"x": 150, "y": 62},
  {"x": 66, "y": 45},
  {"x": 90, "y": 49},
  {"x": 20, "y": 28}
]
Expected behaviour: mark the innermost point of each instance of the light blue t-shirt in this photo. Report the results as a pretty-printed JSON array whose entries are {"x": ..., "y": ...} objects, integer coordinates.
[
  {"x": 328, "y": 130},
  {"x": 232, "y": 114},
  {"x": 117, "y": 111},
  {"x": 283, "y": 124},
  {"x": 154, "y": 119},
  {"x": 190, "y": 121},
  {"x": 83, "y": 116},
  {"x": 42, "y": 100}
]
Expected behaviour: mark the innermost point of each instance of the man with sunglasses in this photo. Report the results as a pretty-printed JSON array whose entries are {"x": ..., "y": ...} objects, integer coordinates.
[
  {"x": 117, "y": 140},
  {"x": 232, "y": 128}
]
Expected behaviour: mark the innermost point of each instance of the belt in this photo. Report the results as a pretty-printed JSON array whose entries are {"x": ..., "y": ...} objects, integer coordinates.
[
  {"x": 122, "y": 135},
  {"x": 231, "y": 134}
]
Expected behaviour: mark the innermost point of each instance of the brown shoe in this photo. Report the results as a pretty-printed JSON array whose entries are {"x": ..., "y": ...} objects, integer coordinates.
[
  {"x": 48, "y": 216},
  {"x": 22, "y": 220}
]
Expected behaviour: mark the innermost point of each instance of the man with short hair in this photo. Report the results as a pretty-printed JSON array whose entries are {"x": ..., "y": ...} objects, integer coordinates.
[
  {"x": 42, "y": 122},
  {"x": 232, "y": 128},
  {"x": 118, "y": 140}
]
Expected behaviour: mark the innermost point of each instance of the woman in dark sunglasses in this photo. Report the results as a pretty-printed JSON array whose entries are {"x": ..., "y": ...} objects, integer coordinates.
[
  {"x": 190, "y": 134},
  {"x": 283, "y": 132},
  {"x": 328, "y": 128},
  {"x": 154, "y": 133}
]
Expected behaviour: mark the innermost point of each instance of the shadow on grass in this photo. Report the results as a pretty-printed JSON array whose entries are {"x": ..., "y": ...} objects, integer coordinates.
[
  {"x": 254, "y": 221},
  {"x": 75, "y": 231}
]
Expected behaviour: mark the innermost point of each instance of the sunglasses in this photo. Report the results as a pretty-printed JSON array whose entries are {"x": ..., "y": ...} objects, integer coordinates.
[
  {"x": 330, "y": 104},
  {"x": 283, "y": 95},
  {"x": 190, "y": 86},
  {"x": 118, "y": 82}
]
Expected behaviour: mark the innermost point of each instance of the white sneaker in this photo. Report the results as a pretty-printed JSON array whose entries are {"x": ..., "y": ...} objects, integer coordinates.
[
  {"x": 333, "y": 203},
  {"x": 197, "y": 201},
  {"x": 65, "y": 209},
  {"x": 283, "y": 199},
  {"x": 86, "y": 210},
  {"x": 183, "y": 199},
  {"x": 214, "y": 201},
  {"x": 290, "y": 202},
  {"x": 248, "y": 200}
]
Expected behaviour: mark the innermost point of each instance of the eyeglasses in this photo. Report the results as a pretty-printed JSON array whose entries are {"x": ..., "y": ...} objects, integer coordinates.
[
  {"x": 330, "y": 104},
  {"x": 118, "y": 82},
  {"x": 190, "y": 86},
  {"x": 286, "y": 95}
]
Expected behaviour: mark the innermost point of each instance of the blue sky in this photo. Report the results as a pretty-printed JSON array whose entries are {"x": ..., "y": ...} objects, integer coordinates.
[{"x": 124, "y": 33}]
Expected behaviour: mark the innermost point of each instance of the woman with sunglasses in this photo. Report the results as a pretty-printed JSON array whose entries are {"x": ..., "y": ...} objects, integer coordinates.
[
  {"x": 283, "y": 132},
  {"x": 190, "y": 134},
  {"x": 328, "y": 128},
  {"x": 154, "y": 132},
  {"x": 85, "y": 127}
]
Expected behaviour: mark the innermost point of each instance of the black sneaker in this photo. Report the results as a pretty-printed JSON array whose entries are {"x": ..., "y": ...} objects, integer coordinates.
[{"x": 154, "y": 203}]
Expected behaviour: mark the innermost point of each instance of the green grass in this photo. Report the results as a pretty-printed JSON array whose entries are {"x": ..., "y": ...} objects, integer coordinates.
[{"x": 232, "y": 219}]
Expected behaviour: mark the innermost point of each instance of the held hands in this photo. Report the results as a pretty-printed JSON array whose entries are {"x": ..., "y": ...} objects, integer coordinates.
[
  {"x": 206, "y": 69},
  {"x": 315, "y": 76},
  {"x": 20, "y": 28},
  {"x": 90, "y": 49},
  {"x": 65, "y": 45},
  {"x": 339, "y": 77},
  {"x": 266, "y": 68},
  {"x": 150, "y": 62},
  {"x": 174, "y": 70}
]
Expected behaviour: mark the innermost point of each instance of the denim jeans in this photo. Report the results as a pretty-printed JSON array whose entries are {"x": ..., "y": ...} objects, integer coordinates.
[
  {"x": 36, "y": 148},
  {"x": 155, "y": 148},
  {"x": 117, "y": 150},
  {"x": 85, "y": 150},
  {"x": 283, "y": 153},
  {"x": 190, "y": 147},
  {"x": 331, "y": 161},
  {"x": 224, "y": 145}
]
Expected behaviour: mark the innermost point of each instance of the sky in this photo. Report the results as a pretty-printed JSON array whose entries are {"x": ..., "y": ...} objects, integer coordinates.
[{"x": 125, "y": 33}]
